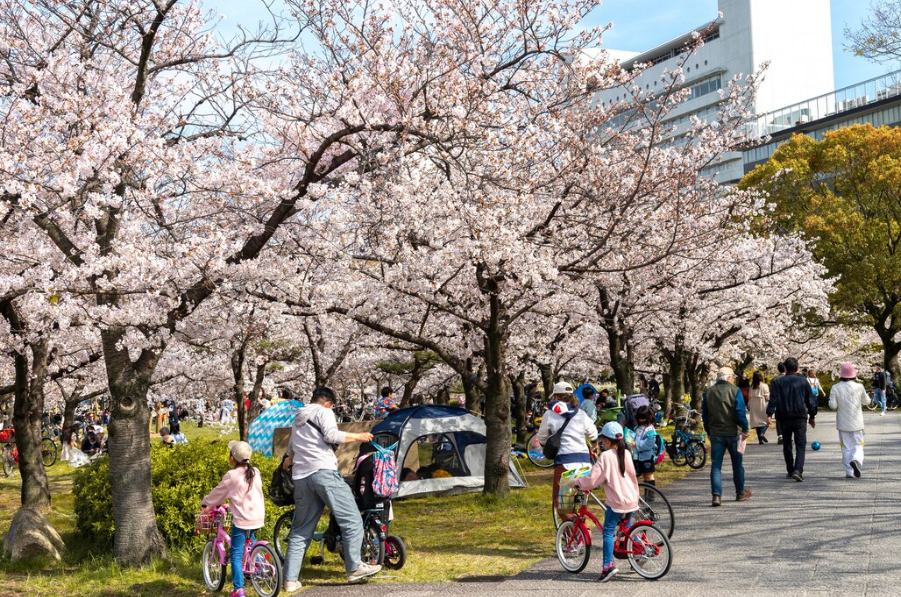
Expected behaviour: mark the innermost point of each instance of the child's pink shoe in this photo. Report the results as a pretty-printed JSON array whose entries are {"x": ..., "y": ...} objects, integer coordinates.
[{"x": 238, "y": 593}]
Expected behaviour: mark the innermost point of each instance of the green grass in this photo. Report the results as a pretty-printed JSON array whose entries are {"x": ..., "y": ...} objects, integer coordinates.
[{"x": 447, "y": 538}]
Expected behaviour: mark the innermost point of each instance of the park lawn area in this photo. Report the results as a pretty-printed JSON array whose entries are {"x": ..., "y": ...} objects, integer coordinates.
[{"x": 447, "y": 538}]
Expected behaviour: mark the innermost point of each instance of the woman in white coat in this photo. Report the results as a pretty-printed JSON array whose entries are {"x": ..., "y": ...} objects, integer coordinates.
[{"x": 847, "y": 398}]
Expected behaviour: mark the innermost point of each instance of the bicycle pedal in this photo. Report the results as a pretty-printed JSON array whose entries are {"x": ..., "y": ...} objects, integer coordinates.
[{"x": 315, "y": 560}]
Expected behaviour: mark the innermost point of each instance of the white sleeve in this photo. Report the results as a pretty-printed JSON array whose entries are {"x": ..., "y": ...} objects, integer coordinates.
[{"x": 590, "y": 430}]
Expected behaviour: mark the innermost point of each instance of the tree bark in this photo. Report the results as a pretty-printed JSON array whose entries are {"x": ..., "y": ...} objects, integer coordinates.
[
  {"x": 256, "y": 395},
  {"x": 237, "y": 363},
  {"x": 518, "y": 384},
  {"x": 497, "y": 406},
  {"x": 137, "y": 539},
  {"x": 28, "y": 409},
  {"x": 547, "y": 379}
]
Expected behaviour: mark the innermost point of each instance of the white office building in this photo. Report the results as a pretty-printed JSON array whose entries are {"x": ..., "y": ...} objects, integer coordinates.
[{"x": 793, "y": 36}]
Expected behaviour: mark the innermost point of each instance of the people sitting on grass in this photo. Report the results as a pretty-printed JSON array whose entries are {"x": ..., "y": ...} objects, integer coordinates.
[
  {"x": 91, "y": 445},
  {"x": 243, "y": 489},
  {"x": 614, "y": 472}
]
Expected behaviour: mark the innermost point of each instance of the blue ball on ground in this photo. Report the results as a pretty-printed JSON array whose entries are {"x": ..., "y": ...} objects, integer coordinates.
[{"x": 815, "y": 445}]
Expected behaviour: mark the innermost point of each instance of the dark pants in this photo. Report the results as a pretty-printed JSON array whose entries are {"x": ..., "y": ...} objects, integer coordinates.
[
  {"x": 778, "y": 428},
  {"x": 797, "y": 429}
]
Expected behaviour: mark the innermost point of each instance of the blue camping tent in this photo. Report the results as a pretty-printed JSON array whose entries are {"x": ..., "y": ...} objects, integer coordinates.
[{"x": 263, "y": 428}]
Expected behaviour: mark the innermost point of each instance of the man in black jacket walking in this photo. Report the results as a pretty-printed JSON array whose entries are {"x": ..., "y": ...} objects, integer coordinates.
[{"x": 793, "y": 402}]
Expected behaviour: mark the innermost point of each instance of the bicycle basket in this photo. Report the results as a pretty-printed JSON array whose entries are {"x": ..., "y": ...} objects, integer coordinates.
[
  {"x": 570, "y": 501},
  {"x": 207, "y": 522}
]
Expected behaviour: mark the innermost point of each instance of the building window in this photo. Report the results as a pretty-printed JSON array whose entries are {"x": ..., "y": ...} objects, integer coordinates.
[{"x": 706, "y": 86}]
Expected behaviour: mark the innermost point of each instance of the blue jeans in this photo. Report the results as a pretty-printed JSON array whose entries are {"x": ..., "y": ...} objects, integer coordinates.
[
  {"x": 611, "y": 521},
  {"x": 879, "y": 397},
  {"x": 311, "y": 494},
  {"x": 239, "y": 536},
  {"x": 718, "y": 446}
]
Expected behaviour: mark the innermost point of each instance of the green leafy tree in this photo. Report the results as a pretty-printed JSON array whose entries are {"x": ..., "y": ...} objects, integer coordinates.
[{"x": 843, "y": 194}]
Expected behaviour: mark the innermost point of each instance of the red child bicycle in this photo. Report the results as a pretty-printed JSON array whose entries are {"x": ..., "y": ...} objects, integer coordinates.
[
  {"x": 260, "y": 563},
  {"x": 641, "y": 542}
]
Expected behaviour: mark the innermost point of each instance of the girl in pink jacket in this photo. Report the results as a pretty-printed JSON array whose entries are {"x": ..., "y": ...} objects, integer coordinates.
[
  {"x": 243, "y": 489},
  {"x": 615, "y": 473}
]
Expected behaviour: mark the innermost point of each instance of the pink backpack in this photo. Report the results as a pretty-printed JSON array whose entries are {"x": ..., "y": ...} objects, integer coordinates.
[{"x": 384, "y": 468}]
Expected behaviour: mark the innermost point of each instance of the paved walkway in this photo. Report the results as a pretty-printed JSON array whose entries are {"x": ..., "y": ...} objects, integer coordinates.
[{"x": 827, "y": 536}]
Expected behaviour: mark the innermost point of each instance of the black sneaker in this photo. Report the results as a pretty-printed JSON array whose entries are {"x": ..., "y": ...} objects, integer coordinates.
[
  {"x": 779, "y": 440},
  {"x": 797, "y": 476},
  {"x": 608, "y": 574},
  {"x": 765, "y": 440},
  {"x": 788, "y": 476},
  {"x": 856, "y": 466}
]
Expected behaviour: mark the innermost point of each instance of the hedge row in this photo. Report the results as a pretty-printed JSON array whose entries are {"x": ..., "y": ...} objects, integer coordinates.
[{"x": 181, "y": 476}]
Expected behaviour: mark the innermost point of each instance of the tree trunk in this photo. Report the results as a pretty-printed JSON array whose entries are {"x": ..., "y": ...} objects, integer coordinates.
[
  {"x": 443, "y": 396},
  {"x": 471, "y": 390},
  {"x": 667, "y": 394},
  {"x": 419, "y": 368},
  {"x": 137, "y": 539},
  {"x": 676, "y": 361},
  {"x": 256, "y": 395},
  {"x": 497, "y": 408},
  {"x": 518, "y": 384},
  {"x": 69, "y": 412},
  {"x": 547, "y": 379},
  {"x": 28, "y": 409},
  {"x": 27, "y": 412},
  {"x": 237, "y": 363}
]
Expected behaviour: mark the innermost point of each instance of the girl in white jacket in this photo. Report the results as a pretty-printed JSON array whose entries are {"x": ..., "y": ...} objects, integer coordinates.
[{"x": 847, "y": 398}]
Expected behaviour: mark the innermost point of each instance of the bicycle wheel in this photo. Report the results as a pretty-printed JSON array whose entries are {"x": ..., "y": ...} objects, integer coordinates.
[
  {"x": 572, "y": 547},
  {"x": 266, "y": 571},
  {"x": 648, "y": 551},
  {"x": 679, "y": 457},
  {"x": 213, "y": 568},
  {"x": 696, "y": 454},
  {"x": 536, "y": 453},
  {"x": 395, "y": 552},
  {"x": 655, "y": 508},
  {"x": 373, "y": 550},
  {"x": 48, "y": 452},
  {"x": 280, "y": 533}
]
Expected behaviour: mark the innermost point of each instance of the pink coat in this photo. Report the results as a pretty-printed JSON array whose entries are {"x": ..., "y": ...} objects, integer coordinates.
[
  {"x": 247, "y": 505},
  {"x": 621, "y": 491}
]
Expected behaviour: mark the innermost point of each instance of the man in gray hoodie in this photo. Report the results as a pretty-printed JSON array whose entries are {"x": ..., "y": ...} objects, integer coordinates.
[{"x": 317, "y": 483}]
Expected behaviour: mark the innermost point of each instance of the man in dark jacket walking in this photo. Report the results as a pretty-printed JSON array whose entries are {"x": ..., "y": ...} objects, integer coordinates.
[
  {"x": 793, "y": 403},
  {"x": 726, "y": 421}
]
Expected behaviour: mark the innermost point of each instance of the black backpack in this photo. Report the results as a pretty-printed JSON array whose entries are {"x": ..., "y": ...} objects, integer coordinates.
[
  {"x": 281, "y": 487},
  {"x": 552, "y": 445}
]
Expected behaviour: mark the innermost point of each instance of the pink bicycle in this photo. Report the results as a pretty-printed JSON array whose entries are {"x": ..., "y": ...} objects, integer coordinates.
[{"x": 260, "y": 563}]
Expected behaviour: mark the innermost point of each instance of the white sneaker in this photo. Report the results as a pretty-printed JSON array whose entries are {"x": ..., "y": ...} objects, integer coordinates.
[
  {"x": 292, "y": 587},
  {"x": 364, "y": 571},
  {"x": 881, "y": 414}
]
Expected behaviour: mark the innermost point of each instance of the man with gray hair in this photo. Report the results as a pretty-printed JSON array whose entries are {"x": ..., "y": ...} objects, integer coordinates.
[{"x": 725, "y": 420}]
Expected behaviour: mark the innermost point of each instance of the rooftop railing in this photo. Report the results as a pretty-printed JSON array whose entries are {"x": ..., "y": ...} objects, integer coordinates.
[{"x": 836, "y": 102}]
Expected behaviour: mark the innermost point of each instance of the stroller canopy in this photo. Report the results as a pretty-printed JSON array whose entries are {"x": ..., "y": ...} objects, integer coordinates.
[
  {"x": 441, "y": 449},
  {"x": 263, "y": 427}
]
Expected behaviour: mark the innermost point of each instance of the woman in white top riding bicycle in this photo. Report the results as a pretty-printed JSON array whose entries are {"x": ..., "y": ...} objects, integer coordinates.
[{"x": 574, "y": 452}]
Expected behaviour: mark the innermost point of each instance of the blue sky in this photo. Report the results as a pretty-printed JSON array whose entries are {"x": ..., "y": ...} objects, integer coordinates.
[{"x": 642, "y": 24}]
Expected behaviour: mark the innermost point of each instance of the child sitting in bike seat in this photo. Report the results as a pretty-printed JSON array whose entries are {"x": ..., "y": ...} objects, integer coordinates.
[
  {"x": 242, "y": 487},
  {"x": 615, "y": 473}
]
